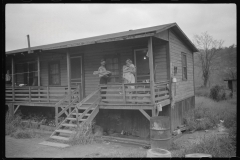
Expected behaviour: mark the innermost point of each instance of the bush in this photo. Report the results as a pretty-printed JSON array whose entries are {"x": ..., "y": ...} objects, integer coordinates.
[
  {"x": 22, "y": 133},
  {"x": 12, "y": 123},
  {"x": 215, "y": 146},
  {"x": 83, "y": 135},
  {"x": 217, "y": 93}
]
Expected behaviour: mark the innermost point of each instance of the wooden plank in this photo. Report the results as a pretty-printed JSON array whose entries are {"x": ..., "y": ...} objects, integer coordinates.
[
  {"x": 16, "y": 109},
  {"x": 60, "y": 138},
  {"x": 161, "y": 98},
  {"x": 13, "y": 78},
  {"x": 54, "y": 144},
  {"x": 38, "y": 66},
  {"x": 145, "y": 114}
]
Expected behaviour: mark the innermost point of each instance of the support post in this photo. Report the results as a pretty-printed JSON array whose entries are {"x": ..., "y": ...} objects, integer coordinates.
[
  {"x": 150, "y": 55},
  {"x": 38, "y": 65},
  {"x": 69, "y": 74},
  {"x": 56, "y": 116},
  {"x": 169, "y": 74},
  {"x": 144, "y": 113},
  {"x": 124, "y": 93},
  {"x": 13, "y": 79},
  {"x": 11, "y": 109}
]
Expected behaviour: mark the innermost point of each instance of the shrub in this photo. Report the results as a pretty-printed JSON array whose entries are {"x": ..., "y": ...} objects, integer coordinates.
[
  {"x": 12, "y": 123},
  {"x": 22, "y": 133},
  {"x": 217, "y": 93},
  {"x": 83, "y": 135}
]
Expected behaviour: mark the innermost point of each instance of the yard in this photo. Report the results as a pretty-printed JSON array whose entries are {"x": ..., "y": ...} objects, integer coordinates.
[{"x": 204, "y": 140}]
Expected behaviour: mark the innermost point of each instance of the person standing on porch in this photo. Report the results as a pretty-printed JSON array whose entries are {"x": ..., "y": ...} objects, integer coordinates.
[
  {"x": 104, "y": 75},
  {"x": 128, "y": 72},
  {"x": 8, "y": 78}
]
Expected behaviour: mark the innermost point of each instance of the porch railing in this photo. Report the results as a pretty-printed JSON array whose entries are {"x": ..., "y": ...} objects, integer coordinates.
[
  {"x": 137, "y": 93},
  {"x": 36, "y": 93}
]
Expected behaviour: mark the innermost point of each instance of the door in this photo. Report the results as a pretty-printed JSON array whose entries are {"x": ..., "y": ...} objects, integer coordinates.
[
  {"x": 142, "y": 65},
  {"x": 76, "y": 72}
]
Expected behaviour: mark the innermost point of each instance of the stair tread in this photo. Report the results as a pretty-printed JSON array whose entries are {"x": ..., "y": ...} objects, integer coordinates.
[
  {"x": 54, "y": 144},
  {"x": 81, "y": 114},
  {"x": 65, "y": 131},
  {"x": 72, "y": 119},
  {"x": 60, "y": 138},
  {"x": 69, "y": 125}
]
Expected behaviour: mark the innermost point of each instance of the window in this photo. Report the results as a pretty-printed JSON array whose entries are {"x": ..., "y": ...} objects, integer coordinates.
[
  {"x": 112, "y": 64},
  {"x": 184, "y": 66},
  {"x": 54, "y": 73},
  {"x": 26, "y": 72}
]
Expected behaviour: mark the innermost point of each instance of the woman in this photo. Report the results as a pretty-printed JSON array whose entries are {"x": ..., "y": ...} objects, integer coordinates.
[{"x": 128, "y": 72}]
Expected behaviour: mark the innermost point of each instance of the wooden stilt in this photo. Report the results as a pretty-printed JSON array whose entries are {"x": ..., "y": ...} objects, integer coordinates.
[{"x": 11, "y": 109}]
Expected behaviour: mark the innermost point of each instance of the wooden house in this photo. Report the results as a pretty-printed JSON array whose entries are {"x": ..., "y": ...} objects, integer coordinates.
[{"x": 60, "y": 75}]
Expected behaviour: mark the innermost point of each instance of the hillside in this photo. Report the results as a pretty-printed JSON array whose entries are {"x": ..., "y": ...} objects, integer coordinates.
[{"x": 227, "y": 57}]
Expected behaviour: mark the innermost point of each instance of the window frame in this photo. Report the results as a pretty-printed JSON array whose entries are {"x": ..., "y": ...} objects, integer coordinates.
[
  {"x": 49, "y": 74},
  {"x": 112, "y": 56},
  {"x": 183, "y": 71}
]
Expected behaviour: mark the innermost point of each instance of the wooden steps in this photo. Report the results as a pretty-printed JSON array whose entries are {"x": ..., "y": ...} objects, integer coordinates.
[{"x": 88, "y": 111}]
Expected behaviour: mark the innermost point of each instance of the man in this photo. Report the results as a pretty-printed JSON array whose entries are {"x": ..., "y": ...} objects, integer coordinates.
[{"x": 104, "y": 75}]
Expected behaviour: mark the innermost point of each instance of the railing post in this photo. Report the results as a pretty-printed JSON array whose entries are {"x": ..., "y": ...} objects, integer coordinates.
[
  {"x": 124, "y": 93},
  {"x": 29, "y": 90},
  {"x": 80, "y": 92},
  {"x": 47, "y": 93},
  {"x": 56, "y": 116}
]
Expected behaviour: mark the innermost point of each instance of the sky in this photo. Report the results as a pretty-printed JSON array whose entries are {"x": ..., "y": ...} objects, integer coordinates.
[{"x": 53, "y": 23}]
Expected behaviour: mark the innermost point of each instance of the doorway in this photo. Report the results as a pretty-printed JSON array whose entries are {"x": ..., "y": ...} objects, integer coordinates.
[
  {"x": 142, "y": 65},
  {"x": 76, "y": 72}
]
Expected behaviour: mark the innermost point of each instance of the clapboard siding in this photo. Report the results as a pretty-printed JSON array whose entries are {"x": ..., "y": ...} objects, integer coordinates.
[
  {"x": 183, "y": 88},
  {"x": 160, "y": 60}
]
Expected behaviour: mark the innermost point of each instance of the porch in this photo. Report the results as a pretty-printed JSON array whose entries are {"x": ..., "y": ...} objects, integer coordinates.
[{"x": 113, "y": 96}]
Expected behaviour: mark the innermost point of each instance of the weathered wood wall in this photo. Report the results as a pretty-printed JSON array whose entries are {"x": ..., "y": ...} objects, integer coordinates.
[
  {"x": 184, "y": 89},
  {"x": 180, "y": 109},
  {"x": 160, "y": 60}
]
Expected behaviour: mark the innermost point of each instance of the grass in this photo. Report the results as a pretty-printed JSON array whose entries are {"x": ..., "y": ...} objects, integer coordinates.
[
  {"x": 202, "y": 91},
  {"x": 215, "y": 146},
  {"x": 83, "y": 135},
  {"x": 206, "y": 115}
]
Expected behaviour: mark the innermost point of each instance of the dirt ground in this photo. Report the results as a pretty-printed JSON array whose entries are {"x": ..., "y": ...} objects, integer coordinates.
[{"x": 31, "y": 147}]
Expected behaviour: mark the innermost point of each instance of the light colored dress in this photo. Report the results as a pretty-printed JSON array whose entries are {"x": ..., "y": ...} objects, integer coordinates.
[{"x": 128, "y": 75}]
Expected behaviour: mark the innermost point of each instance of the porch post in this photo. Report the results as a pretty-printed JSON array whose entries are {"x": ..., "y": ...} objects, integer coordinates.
[
  {"x": 13, "y": 79},
  {"x": 169, "y": 76},
  {"x": 38, "y": 65},
  {"x": 150, "y": 55},
  {"x": 68, "y": 73}
]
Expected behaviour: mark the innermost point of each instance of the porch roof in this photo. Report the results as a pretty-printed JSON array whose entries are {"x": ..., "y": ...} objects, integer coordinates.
[{"x": 144, "y": 32}]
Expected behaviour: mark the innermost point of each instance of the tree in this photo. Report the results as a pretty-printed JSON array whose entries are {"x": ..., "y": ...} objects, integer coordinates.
[{"x": 209, "y": 48}]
